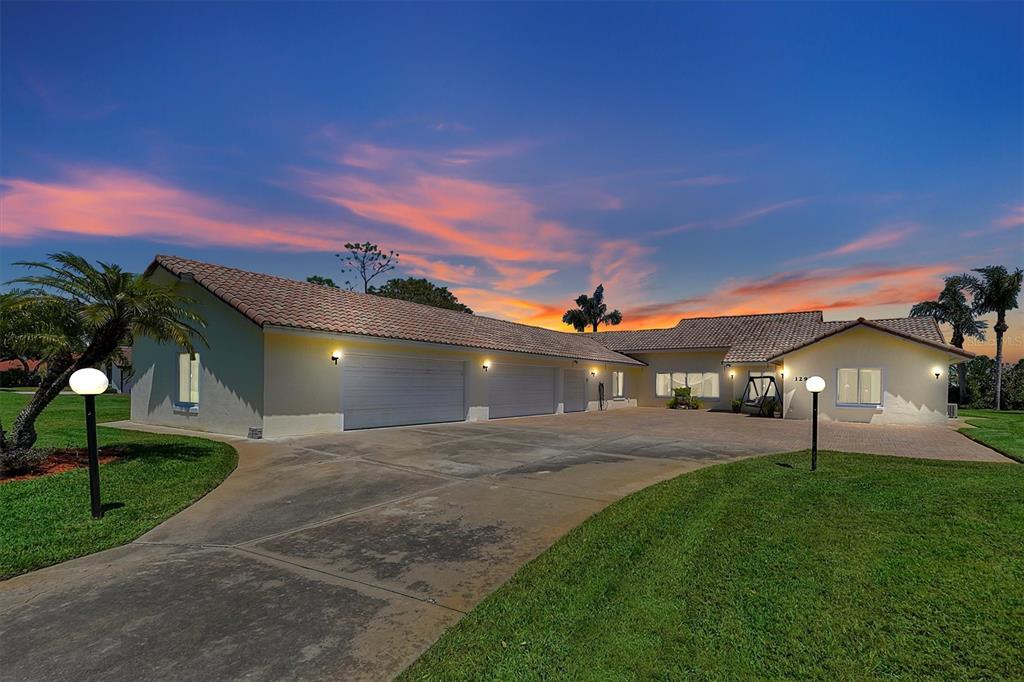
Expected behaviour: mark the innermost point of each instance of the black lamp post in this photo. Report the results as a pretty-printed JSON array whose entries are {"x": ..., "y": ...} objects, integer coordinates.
[
  {"x": 815, "y": 385},
  {"x": 91, "y": 383}
]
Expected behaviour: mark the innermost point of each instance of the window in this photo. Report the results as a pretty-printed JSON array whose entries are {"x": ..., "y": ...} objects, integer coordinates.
[
  {"x": 188, "y": 379},
  {"x": 701, "y": 384},
  {"x": 617, "y": 384},
  {"x": 859, "y": 386}
]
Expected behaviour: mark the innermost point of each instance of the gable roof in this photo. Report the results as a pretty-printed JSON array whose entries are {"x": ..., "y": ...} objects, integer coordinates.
[
  {"x": 923, "y": 330},
  {"x": 276, "y": 301},
  {"x": 762, "y": 338}
]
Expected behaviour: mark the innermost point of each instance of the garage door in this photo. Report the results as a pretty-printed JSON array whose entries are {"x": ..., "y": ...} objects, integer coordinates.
[
  {"x": 574, "y": 391},
  {"x": 519, "y": 390},
  {"x": 392, "y": 391}
]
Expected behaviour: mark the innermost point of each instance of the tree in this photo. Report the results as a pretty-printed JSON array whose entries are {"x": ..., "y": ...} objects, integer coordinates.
[
  {"x": 995, "y": 290},
  {"x": 82, "y": 315},
  {"x": 367, "y": 262},
  {"x": 952, "y": 308},
  {"x": 420, "y": 290},
  {"x": 13, "y": 324},
  {"x": 322, "y": 281},
  {"x": 591, "y": 311}
]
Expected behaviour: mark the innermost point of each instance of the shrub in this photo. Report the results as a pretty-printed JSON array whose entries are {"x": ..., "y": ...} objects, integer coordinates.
[
  {"x": 18, "y": 377},
  {"x": 682, "y": 399},
  {"x": 737, "y": 406}
]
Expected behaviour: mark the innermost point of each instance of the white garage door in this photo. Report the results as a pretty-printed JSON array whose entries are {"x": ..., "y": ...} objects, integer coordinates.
[
  {"x": 519, "y": 390},
  {"x": 391, "y": 391},
  {"x": 574, "y": 390}
]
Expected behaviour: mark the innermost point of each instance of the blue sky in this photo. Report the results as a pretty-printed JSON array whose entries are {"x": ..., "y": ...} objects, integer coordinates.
[{"x": 697, "y": 159}]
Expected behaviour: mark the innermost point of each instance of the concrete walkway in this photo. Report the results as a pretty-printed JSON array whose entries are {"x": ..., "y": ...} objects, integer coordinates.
[{"x": 345, "y": 556}]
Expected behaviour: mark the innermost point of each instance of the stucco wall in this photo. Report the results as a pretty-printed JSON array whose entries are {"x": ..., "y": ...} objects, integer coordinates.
[
  {"x": 641, "y": 383},
  {"x": 910, "y": 391},
  {"x": 231, "y": 371},
  {"x": 304, "y": 388}
]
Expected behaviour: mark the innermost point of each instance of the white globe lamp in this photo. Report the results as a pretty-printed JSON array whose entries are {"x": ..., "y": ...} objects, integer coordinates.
[
  {"x": 90, "y": 383},
  {"x": 815, "y": 385}
]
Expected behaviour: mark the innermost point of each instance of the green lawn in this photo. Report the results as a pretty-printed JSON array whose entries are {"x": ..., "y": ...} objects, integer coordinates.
[
  {"x": 1002, "y": 431},
  {"x": 46, "y": 520},
  {"x": 871, "y": 567}
]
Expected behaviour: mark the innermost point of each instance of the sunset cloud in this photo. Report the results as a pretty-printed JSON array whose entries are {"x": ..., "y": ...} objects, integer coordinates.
[
  {"x": 95, "y": 202},
  {"x": 452, "y": 215},
  {"x": 881, "y": 238},
  {"x": 788, "y": 291},
  {"x": 438, "y": 270},
  {"x": 516, "y": 277}
]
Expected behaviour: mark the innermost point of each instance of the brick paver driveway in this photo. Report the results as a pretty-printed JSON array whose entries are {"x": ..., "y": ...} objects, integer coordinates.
[{"x": 344, "y": 556}]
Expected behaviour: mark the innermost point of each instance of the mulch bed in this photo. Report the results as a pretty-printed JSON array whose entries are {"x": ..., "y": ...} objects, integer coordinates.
[{"x": 59, "y": 461}]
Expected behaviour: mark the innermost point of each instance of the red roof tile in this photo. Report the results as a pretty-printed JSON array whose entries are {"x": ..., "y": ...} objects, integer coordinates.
[{"x": 276, "y": 301}]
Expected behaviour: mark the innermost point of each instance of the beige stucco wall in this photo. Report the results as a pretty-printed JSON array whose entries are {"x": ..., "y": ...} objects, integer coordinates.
[
  {"x": 910, "y": 391},
  {"x": 304, "y": 388},
  {"x": 231, "y": 371},
  {"x": 641, "y": 383}
]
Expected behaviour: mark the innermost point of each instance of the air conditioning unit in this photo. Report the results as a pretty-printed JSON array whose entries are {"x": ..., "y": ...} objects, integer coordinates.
[{"x": 952, "y": 410}]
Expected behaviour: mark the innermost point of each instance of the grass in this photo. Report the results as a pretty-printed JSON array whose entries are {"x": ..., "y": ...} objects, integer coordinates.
[
  {"x": 872, "y": 567},
  {"x": 1003, "y": 430},
  {"x": 46, "y": 520}
]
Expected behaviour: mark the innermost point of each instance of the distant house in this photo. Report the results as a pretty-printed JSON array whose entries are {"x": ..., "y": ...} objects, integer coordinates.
[{"x": 292, "y": 358}]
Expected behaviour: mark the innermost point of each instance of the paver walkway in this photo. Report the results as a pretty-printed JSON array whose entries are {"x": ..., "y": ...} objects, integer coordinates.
[{"x": 345, "y": 556}]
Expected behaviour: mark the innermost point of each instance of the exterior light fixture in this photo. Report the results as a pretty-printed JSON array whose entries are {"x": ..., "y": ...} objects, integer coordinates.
[
  {"x": 937, "y": 371},
  {"x": 815, "y": 385},
  {"x": 486, "y": 365},
  {"x": 335, "y": 356},
  {"x": 90, "y": 383},
  {"x": 593, "y": 372}
]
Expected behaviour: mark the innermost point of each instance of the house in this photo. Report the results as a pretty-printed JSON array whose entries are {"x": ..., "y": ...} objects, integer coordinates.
[{"x": 290, "y": 358}]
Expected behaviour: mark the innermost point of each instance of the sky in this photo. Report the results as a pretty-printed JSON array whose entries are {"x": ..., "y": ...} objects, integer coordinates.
[{"x": 696, "y": 159}]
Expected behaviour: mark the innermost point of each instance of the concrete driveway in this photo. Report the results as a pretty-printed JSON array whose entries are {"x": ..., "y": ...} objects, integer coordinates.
[{"x": 345, "y": 556}]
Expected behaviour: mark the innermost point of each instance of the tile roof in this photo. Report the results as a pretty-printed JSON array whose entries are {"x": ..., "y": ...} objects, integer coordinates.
[
  {"x": 269, "y": 300},
  {"x": 759, "y": 338}
]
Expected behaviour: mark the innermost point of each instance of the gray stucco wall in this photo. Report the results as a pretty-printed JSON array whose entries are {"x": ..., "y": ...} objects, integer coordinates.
[{"x": 231, "y": 371}]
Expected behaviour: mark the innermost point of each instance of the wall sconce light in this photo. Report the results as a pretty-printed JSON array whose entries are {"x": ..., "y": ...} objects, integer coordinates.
[
  {"x": 335, "y": 356},
  {"x": 487, "y": 365},
  {"x": 937, "y": 372},
  {"x": 593, "y": 372}
]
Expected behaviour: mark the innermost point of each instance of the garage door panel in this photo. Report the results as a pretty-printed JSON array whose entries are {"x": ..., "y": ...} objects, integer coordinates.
[
  {"x": 392, "y": 391},
  {"x": 520, "y": 390},
  {"x": 574, "y": 390}
]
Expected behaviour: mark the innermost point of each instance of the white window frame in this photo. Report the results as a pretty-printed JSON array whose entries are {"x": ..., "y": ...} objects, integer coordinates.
[
  {"x": 682, "y": 378},
  {"x": 186, "y": 402},
  {"x": 620, "y": 379},
  {"x": 881, "y": 387}
]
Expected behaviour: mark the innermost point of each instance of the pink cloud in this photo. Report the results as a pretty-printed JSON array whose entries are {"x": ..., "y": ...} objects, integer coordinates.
[
  {"x": 625, "y": 269},
  {"x": 451, "y": 215},
  {"x": 881, "y": 238},
  {"x": 98, "y": 202},
  {"x": 1015, "y": 218},
  {"x": 436, "y": 269},
  {"x": 515, "y": 277}
]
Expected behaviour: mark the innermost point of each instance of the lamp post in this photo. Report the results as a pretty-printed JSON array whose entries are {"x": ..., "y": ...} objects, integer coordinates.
[
  {"x": 815, "y": 385},
  {"x": 90, "y": 383}
]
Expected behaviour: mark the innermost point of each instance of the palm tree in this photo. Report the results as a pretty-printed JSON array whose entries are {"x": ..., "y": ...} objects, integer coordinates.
[
  {"x": 81, "y": 315},
  {"x": 995, "y": 291},
  {"x": 952, "y": 308},
  {"x": 591, "y": 311}
]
